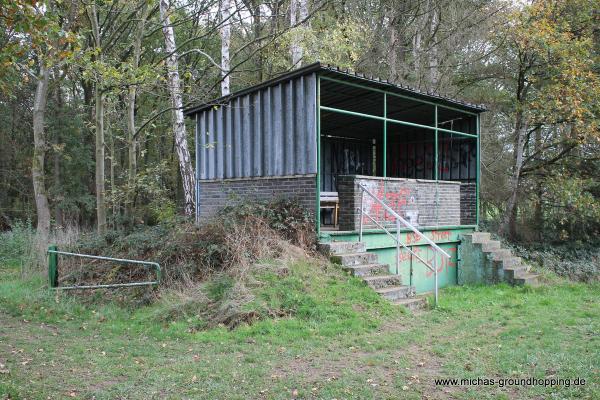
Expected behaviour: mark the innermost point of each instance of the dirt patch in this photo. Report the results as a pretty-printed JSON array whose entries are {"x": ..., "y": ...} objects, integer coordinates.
[{"x": 407, "y": 369}]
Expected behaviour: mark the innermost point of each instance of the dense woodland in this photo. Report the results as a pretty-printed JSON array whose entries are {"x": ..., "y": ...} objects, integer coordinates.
[{"x": 92, "y": 93}]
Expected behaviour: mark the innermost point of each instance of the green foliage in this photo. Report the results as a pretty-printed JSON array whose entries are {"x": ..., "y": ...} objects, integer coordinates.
[
  {"x": 17, "y": 244},
  {"x": 576, "y": 262},
  {"x": 571, "y": 211}
]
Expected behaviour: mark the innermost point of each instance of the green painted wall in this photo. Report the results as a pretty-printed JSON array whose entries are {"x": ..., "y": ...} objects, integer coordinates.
[
  {"x": 412, "y": 271},
  {"x": 474, "y": 265}
]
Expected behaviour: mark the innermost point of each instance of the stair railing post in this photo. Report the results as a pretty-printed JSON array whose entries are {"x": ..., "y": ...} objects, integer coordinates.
[
  {"x": 435, "y": 275},
  {"x": 397, "y": 246},
  {"x": 362, "y": 210}
]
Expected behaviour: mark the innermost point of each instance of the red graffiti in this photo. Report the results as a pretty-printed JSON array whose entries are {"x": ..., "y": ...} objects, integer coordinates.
[
  {"x": 396, "y": 200},
  {"x": 440, "y": 235},
  {"x": 443, "y": 263},
  {"x": 412, "y": 238}
]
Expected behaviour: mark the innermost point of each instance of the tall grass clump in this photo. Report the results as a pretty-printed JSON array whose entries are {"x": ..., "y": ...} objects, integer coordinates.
[
  {"x": 17, "y": 244},
  {"x": 21, "y": 245}
]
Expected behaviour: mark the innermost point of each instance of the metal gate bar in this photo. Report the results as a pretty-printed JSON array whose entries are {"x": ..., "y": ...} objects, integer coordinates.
[{"x": 53, "y": 253}]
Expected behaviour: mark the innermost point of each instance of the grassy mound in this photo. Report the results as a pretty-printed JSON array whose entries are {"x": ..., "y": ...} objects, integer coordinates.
[
  {"x": 303, "y": 291},
  {"x": 245, "y": 265},
  {"x": 231, "y": 241}
]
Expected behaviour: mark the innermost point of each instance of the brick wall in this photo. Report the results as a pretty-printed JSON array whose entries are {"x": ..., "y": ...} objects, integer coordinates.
[
  {"x": 405, "y": 196},
  {"x": 468, "y": 204},
  {"x": 215, "y": 195}
]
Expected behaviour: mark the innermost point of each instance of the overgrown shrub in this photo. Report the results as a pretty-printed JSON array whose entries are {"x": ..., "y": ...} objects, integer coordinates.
[
  {"x": 578, "y": 263},
  {"x": 209, "y": 271},
  {"x": 232, "y": 240},
  {"x": 17, "y": 244}
]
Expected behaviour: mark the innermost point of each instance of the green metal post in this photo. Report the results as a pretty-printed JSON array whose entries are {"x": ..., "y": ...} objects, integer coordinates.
[
  {"x": 318, "y": 125},
  {"x": 384, "y": 166},
  {"x": 393, "y": 121},
  {"x": 478, "y": 173},
  {"x": 435, "y": 165},
  {"x": 385, "y": 135},
  {"x": 436, "y": 172},
  {"x": 52, "y": 267},
  {"x": 371, "y": 89}
]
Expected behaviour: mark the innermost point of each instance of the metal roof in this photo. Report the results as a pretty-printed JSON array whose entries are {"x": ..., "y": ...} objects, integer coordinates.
[{"x": 346, "y": 75}]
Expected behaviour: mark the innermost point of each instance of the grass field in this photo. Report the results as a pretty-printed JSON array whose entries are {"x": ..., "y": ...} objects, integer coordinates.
[{"x": 340, "y": 342}]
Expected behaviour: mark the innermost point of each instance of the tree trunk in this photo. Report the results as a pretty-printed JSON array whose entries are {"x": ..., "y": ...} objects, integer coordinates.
[
  {"x": 539, "y": 190},
  {"x": 225, "y": 42},
  {"x": 434, "y": 76},
  {"x": 416, "y": 50},
  {"x": 508, "y": 226},
  {"x": 39, "y": 157},
  {"x": 99, "y": 124},
  {"x": 256, "y": 27},
  {"x": 392, "y": 54},
  {"x": 294, "y": 48},
  {"x": 58, "y": 212},
  {"x": 298, "y": 15},
  {"x": 181, "y": 146},
  {"x": 112, "y": 158},
  {"x": 100, "y": 189},
  {"x": 132, "y": 141}
]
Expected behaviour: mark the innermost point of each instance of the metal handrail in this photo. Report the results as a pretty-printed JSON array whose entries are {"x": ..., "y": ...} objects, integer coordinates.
[
  {"x": 401, "y": 244},
  {"x": 53, "y": 271},
  {"x": 399, "y": 220}
]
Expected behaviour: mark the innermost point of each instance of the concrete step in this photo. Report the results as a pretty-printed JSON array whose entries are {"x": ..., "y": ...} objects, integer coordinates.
[
  {"x": 526, "y": 279},
  {"x": 510, "y": 273},
  {"x": 383, "y": 281},
  {"x": 490, "y": 245},
  {"x": 478, "y": 237},
  {"x": 368, "y": 270},
  {"x": 498, "y": 255},
  {"x": 333, "y": 248},
  {"x": 353, "y": 259},
  {"x": 508, "y": 262},
  {"x": 412, "y": 303},
  {"x": 397, "y": 292}
]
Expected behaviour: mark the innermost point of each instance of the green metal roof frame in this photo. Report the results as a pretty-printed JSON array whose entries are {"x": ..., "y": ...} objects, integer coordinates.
[{"x": 353, "y": 79}]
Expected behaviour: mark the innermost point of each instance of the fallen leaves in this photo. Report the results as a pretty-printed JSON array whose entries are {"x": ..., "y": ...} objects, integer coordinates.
[{"x": 4, "y": 370}]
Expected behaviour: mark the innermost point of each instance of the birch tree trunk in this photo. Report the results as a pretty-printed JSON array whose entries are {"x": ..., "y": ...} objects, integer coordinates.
[
  {"x": 225, "y": 43},
  {"x": 298, "y": 15},
  {"x": 416, "y": 50},
  {"x": 392, "y": 55},
  {"x": 39, "y": 157},
  {"x": 434, "y": 76},
  {"x": 99, "y": 124},
  {"x": 181, "y": 146},
  {"x": 294, "y": 48}
]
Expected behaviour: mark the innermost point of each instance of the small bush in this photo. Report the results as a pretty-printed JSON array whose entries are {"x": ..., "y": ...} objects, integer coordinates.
[
  {"x": 17, "y": 244},
  {"x": 230, "y": 242},
  {"x": 578, "y": 263}
]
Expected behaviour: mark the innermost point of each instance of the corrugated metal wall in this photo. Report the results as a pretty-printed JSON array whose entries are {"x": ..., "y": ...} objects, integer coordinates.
[{"x": 270, "y": 132}]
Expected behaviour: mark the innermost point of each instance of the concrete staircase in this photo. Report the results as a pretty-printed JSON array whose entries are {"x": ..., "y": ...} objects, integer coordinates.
[
  {"x": 353, "y": 257},
  {"x": 496, "y": 264}
]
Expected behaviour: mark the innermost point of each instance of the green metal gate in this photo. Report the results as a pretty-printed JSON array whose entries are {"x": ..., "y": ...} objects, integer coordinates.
[{"x": 53, "y": 273}]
